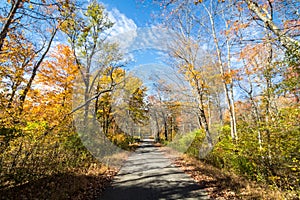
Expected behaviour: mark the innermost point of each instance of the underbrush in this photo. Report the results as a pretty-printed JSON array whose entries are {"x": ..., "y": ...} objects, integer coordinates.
[
  {"x": 274, "y": 166},
  {"x": 54, "y": 166},
  {"x": 222, "y": 184},
  {"x": 80, "y": 183},
  {"x": 125, "y": 142}
]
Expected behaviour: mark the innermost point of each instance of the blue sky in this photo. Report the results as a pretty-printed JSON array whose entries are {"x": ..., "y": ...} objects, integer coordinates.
[
  {"x": 140, "y": 12},
  {"x": 137, "y": 31}
]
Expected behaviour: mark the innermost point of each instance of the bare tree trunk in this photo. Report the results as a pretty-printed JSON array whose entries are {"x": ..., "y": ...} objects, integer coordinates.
[
  {"x": 165, "y": 127},
  {"x": 268, "y": 78},
  {"x": 249, "y": 91},
  {"x": 220, "y": 109},
  {"x": 203, "y": 117},
  {"x": 209, "y": 112},
  {"x": 228, "y": 92},
  {"x": 262, "y": 13},
  {"x": 86, "y": 108},
  {"x": 157, "y": 128},
  {"x": 5, "y": 28},
  {"x": 206, "y": 128},
  {"x": 199, "y": 120},
  {"x": 34, "y": 72}
]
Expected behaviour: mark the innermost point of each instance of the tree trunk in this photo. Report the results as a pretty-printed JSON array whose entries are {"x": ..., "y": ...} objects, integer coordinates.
[
  {"x": 34, "y": 72},
  {"x": 203, "y": 117},
  {"x": 206, "y": 128},
  {"x": 9, "y": 21},
  {"x": 230, "y": 102},
  {"x": 166, "y": 128},
  {"x": 286, "y": 41},
  {"x": 157, "y": 127},
  {"x": 257, "y": 118}
]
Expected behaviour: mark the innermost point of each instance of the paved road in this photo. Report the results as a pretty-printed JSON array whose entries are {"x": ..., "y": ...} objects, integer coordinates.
[{"x": 149, "y": 175}]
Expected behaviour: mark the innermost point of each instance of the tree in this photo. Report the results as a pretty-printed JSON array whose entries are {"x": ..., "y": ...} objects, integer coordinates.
[
  {"x": 53, "y": 91},
  {"x": 9, "y": 21},
  {"x": 47, "y": 105},
  {"x": 191, "y": 22},
  {"x": 131, "y": 109},
  {"x": 87, "y": 37},
  {"x": 259, "y": 72},
  {"x": 104, "y": 103},
  {"x": 23, "y": 50},
  {"x": 265, "y": 13},
  {"x": 154, "y": 117},
  {"x": 16, "y": 13},
  {"x": 58, "y": 74},
  {"x": 256, "y": 46},
  {"x": 225, "y": 73},
  {"x": 137, "y": 106},
  {"x": 37, "y": 39}
]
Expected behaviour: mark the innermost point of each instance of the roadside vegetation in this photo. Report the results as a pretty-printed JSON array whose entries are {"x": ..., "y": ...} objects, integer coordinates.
[
  {"x": 41, "y": 150},
  {"x": 233, "y": 96},
  {"x": 227, "y": 174}
]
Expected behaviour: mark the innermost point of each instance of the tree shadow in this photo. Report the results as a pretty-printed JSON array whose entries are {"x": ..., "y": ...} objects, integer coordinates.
[
  {"x": 149, "y": 175},
  {"x": 156, "y": 189},
  {"x": 59, "y": 186},
  {"x": 216, "y": 181}
]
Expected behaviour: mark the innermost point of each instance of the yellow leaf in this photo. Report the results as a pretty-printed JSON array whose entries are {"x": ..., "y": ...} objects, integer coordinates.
[{"x": 199, "y": 1}]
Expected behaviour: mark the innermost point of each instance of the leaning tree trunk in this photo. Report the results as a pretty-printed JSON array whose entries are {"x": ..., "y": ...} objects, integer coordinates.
[{"x": 228, "y": 92}]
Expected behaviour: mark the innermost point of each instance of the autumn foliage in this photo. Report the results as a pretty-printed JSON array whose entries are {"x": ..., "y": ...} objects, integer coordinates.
[
  {"x": 235, "y": 91},
  {"x": 39, "y": 141}
]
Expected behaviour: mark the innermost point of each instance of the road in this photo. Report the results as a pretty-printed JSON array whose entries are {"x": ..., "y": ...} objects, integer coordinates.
[{"x": 149, "y": 175}]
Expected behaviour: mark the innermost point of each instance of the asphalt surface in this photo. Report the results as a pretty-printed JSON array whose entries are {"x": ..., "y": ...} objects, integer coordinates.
[{"x": 149, "y": 175}]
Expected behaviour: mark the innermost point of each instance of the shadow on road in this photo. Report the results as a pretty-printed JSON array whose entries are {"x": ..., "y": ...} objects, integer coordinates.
[{"x": 148, "y": 174}]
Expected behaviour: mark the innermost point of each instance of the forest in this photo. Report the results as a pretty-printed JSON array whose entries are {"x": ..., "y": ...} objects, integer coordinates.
[{"x": 68, "y": 101}]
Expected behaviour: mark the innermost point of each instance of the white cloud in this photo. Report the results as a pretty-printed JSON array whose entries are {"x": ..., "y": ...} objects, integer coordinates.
[
  {"x": 122, "y": 23},
  {"x": 124, "y": 30},
  {"x": 132, "y": 38},
  {"x": 154, "y": 37}
]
